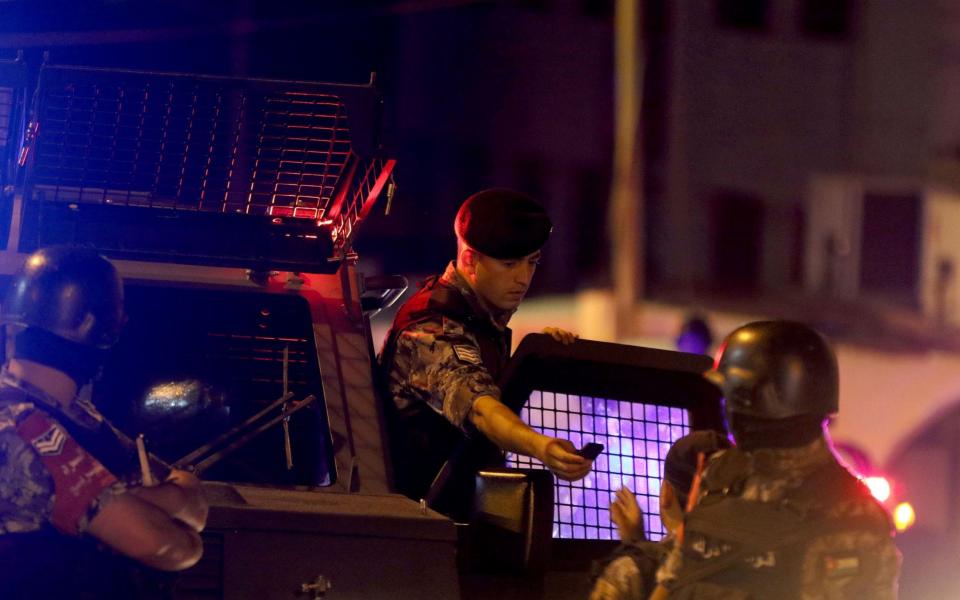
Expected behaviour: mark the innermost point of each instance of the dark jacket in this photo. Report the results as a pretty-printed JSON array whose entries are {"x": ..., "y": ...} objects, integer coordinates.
[{"x": 445, "y": 349}]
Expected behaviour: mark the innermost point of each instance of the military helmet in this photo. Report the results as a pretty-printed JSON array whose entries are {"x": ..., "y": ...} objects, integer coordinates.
[
  {"x": 71, "y": 292},
  {"x": 776, "y": 370}
]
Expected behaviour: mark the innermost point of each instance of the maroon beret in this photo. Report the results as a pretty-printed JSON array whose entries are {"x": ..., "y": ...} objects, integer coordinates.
[{"x": 503, "y": 223}]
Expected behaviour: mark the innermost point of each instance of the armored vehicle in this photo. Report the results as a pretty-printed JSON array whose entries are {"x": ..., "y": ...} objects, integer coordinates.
[{"x": 231, "y": 206}]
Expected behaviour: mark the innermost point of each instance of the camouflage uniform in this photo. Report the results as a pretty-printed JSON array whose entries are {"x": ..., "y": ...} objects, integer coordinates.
[
  {"x": 840, "y": 545},
  {"x": 630, "y": 574},
  {"x": 50, "y": 490},
  {"x": 446, "y": 349},
  {"x": 27, "y": 486},
  {"x": 438, "y": 359}
]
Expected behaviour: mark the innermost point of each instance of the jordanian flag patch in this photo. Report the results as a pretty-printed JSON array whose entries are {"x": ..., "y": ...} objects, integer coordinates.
[{"x": 841, "y": 566}]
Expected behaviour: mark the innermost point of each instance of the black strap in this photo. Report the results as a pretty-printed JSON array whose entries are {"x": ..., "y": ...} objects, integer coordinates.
[
  {"x": 758, "y": 527},
  {"x": 807, "y": 532},
  {"x": 110, "y": 446}
]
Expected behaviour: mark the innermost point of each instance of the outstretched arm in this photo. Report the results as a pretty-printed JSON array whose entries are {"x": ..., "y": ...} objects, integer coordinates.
[
  {"x": 442, "y": 364},
  {"x": 505, "y": 429}
]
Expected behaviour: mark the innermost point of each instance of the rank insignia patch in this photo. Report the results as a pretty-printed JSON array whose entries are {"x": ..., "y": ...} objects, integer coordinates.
[
  {"x": 50, "y": 443},
  {"x": 467, "y": 354}
]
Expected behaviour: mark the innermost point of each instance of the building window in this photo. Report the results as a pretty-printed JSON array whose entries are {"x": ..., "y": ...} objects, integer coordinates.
[
  {"x": 892, "y": 245},
  {"x": 829, "y": 18},
  {"x": 601, "y": 9},
  {"x": 750, "y": 15},
  {"x": 736, "y": 220}
]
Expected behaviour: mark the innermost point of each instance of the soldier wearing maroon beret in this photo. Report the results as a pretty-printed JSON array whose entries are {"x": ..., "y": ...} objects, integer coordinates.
[{"x": 449, "y": 343}]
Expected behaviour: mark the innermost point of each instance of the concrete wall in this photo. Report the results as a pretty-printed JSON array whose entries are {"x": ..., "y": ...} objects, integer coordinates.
[
  {"x": 753, "y": 113},
  {"x": 939, "y": 296},
  {"x": 834, "y": 211},
  {"x": 761, "y": 112}
]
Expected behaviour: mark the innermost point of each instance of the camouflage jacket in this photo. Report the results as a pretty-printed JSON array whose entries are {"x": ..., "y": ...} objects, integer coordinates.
[
  {"x": 445, "y": 350},
  {"x": 630, "y": 572},
  {"x": 784, "y": 523},
  {"x": 46, "y": 477},
  {"x": 436, "y": 359}
]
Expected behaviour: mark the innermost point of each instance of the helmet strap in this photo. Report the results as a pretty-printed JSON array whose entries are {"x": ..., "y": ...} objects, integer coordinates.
[
  {"x": 754, "y": 433},
  {"x": 80, "y": 363}
]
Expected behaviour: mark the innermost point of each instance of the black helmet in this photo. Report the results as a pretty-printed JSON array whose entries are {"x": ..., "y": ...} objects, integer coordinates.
[
  {"x": 71, "y": 292},
  {"x": 776, "y": 370}
]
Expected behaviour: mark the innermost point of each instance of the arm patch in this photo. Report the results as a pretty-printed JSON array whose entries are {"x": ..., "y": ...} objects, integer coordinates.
[
  {"x": 467, "y": 354},
  {"x": 77, "y": 476}
]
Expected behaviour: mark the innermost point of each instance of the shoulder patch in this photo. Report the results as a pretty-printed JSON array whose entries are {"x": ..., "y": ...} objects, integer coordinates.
[
  {"x": 467, "y": 354},
  {"x": 841, "y": 565},
  {"x": 51, "y": 441},
  {"x": 78, "y": 477}
]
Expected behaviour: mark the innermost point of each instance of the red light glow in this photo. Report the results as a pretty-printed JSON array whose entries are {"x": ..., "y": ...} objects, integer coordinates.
[
  {"x": 879, "y": 487},
  {"x": 296, "y": 212}
]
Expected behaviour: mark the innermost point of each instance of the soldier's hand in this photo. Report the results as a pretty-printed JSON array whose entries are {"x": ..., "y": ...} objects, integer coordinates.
[
  {"x": 195, "y": 507},
  {"x": 627, "y": 516},
  {"x": 561, "y": 335},
  {"x": 560, "y": 456}
]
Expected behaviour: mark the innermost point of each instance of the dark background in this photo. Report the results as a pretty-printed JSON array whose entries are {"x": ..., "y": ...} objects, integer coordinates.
[{"x": 477, "y": 94}]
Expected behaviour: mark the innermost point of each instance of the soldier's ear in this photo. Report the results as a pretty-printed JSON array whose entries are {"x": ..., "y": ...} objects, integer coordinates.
[{"x": 469, "y": 260}]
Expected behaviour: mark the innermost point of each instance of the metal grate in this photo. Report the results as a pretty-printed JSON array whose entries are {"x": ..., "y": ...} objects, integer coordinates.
[
  {"x": 636, "y": 437},
  {"x": 13, "y": 85},
  {"x": 193, "y": 363},
  {"x": 187, "y": 143},
  {"x": 200, "y": 169},
  {"x": 259, "y": 359},
  {"x": 6, "y": 117},
  {"x": 364, "y": 190}
]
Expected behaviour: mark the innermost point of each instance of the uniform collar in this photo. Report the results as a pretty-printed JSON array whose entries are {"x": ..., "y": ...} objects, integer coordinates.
[
  {"x": 80, "y": 411},
  {"x": 498, "y": 317},
  {"x": 803, "y": 458}
]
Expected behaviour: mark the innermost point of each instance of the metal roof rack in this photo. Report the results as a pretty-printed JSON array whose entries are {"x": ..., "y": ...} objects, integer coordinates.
[
  {"x": 13, "y": 94},
  {"x": 201, "y": 169}
]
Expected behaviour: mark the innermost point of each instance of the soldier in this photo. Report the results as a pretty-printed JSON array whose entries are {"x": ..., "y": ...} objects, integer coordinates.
[
  {"x": 630, "y": 572},
  {"x": 448, "y": 345},
  {"x": 779, "y": 516},
  {"x": 66, "y": 488}
]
